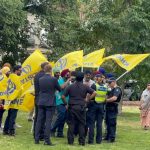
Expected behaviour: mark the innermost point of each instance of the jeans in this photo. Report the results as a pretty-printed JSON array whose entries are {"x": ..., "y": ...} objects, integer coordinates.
[
  {"x": 60, "y": 121},
  {"x": 10, "y": 120}
]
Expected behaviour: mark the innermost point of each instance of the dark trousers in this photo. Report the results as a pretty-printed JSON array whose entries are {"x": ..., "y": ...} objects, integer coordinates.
[
  {"x": 60, "y": 121},
  {"x": 111, "y": 122},
  {"x": 45, "y": 115},
  {"x": 35, "y": 121},
  {"x": 96, "y": 113},
  {"x": 10, "y": 120},
  {"x": 1, "y": 116},
  {"x": 76, "y": 115}
]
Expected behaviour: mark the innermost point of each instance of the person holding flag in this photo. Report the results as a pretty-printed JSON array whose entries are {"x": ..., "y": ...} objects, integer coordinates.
[
  {"x": 4, "y": 73},
  {"x": 9, "y": 126}
]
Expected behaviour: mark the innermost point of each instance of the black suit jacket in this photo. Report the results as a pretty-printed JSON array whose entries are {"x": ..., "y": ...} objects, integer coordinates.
[{"x": 48, "y": 86}]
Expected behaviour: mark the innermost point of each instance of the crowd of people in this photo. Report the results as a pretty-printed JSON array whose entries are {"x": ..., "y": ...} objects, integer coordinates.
[{"x": 83, "y": 100}]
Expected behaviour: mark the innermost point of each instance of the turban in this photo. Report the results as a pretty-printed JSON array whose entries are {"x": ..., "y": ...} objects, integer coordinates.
[
  {"x": 101, "y": 70},
  {"x": 64, "y": 72},
  {"x": 5, "y": 70},
  {"x": 56, "y": 69}
]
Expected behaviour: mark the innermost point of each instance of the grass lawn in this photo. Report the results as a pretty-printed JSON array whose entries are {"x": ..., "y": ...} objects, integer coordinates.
[{"x": 130, "y": 136}]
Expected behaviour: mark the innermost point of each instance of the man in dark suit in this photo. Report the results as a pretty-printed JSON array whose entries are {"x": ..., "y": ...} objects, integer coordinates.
[
  {"x": 37, "y": 90},
  {"x": 46, "y": 104}
]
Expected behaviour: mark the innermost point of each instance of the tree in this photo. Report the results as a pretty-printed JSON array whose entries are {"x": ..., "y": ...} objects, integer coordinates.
[{"x": 13, "y": 34}]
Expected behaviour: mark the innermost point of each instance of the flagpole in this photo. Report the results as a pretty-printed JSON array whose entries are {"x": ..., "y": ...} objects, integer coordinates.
[{"x": 122, "y": 75}]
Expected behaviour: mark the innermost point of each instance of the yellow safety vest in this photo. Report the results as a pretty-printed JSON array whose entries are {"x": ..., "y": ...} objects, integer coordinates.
[{"x": 101, "y": 91}]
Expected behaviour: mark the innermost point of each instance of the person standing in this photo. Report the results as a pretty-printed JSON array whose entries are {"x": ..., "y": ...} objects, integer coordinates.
[
  {"x": 40, "y": 74},
  {"x": 46, "y": 104},
  {"x": 64, "y": 81},
  {"x": 145, "y": 108},
  {"x": 77, "y": 93},
  {"x": 4, "y": 74},
  {"x": 112, "y": 101},
  {"x": 96, "y": 110},
  {"x": 9, "y": 126}
]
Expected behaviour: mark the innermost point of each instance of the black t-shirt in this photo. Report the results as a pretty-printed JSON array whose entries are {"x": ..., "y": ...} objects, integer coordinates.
[
  {"x": 115, "y": 92},
  {"x": 77, "y": 93}
]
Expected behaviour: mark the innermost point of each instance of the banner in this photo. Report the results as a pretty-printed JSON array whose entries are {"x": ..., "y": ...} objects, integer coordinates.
[
  {"x": 30, "y": 67},
  {"x": 71, "y": 60},
  {"x": 127, "y": 61},
  {"x": 94, "y": 59},
  {"x": 3, "y": 86}
]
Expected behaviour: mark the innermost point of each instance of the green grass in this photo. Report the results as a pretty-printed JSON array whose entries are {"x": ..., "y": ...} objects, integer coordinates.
[{"x": 130, "y": 136}]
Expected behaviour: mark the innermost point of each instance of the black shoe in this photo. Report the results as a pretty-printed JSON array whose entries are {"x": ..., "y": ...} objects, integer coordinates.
[
  {"x": 12, "y": 133},
  {"x": 91, "y": 143},
  {"x": 49, "y": 144},
  {"x": 70, "y": 144},
  {"x": 5, "y": 133},
  {"x": 60, "y": 136},
  {"x": 82, "y": 144},
  {"x": 98, "y": 142},
  {"x": 111, "y": 141},
  {"x": 37, "y": 142}
]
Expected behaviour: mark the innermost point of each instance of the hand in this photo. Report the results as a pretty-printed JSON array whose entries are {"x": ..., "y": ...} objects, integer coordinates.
[{"x": 66, "y": 107}]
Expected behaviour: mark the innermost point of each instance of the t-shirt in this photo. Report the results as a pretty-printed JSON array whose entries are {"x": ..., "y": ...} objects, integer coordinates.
[
  {"x": 77, "y": 93},
  {"x": 115, "y": 92},
  {"x": 58, "y": 94}
]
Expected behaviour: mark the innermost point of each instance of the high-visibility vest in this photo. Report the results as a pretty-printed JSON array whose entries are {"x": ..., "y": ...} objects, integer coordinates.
[{"x": 101, "y": 91}]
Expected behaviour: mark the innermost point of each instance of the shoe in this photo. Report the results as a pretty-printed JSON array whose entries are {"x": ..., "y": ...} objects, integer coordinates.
[
  {"x": 82, "y": 144},
  {"x": 37, "y": 142},
  {"x": 105, "y": 139},
  {"x": 60, "y": 136},
  {"x": 12, "y": 133},
  {"x": 98, "y": 142},
  {"x": 90, "y": 143},
  {"x": 41, "y": 139},
  {"x": 5, "y": 133},
  {"x": 49, "y": 144},
  {"x": 111, "y": 141}
]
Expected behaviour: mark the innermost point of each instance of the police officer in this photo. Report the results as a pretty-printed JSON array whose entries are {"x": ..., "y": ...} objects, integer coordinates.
[
  {"x": 114, "y": 97},
  {"x": 76, "y": 111},
  {"x": 96, "y": 110},
  {"x": 46, "y": 104}
]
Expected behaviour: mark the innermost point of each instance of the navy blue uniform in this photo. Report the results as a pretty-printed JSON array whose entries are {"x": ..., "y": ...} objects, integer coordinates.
[
  {"x": 111, "y": 114},
  {"x": 46, "y": 105}
]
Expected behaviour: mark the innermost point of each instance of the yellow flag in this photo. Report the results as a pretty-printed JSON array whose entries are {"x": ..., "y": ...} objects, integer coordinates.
[
  {"x": 30, "y": 67},
  {"x": 14, "y": 88},
  {"x": 127, "y": 61},
  {"x": 94, "y": 59},
  {"x": 3, "y": 86},
  {"x": 25, "y": 103},
  {"x": 71, "y": 60}
]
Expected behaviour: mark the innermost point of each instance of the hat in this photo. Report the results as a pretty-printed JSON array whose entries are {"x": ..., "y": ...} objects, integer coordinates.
[
  {"x": 111, "y": 80},
  {"x": 64, "y": 72},
  {"x": 5, "y": 70},
  {"x": 109, "y": 75},
  {"x": 56, "y": 69}
]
